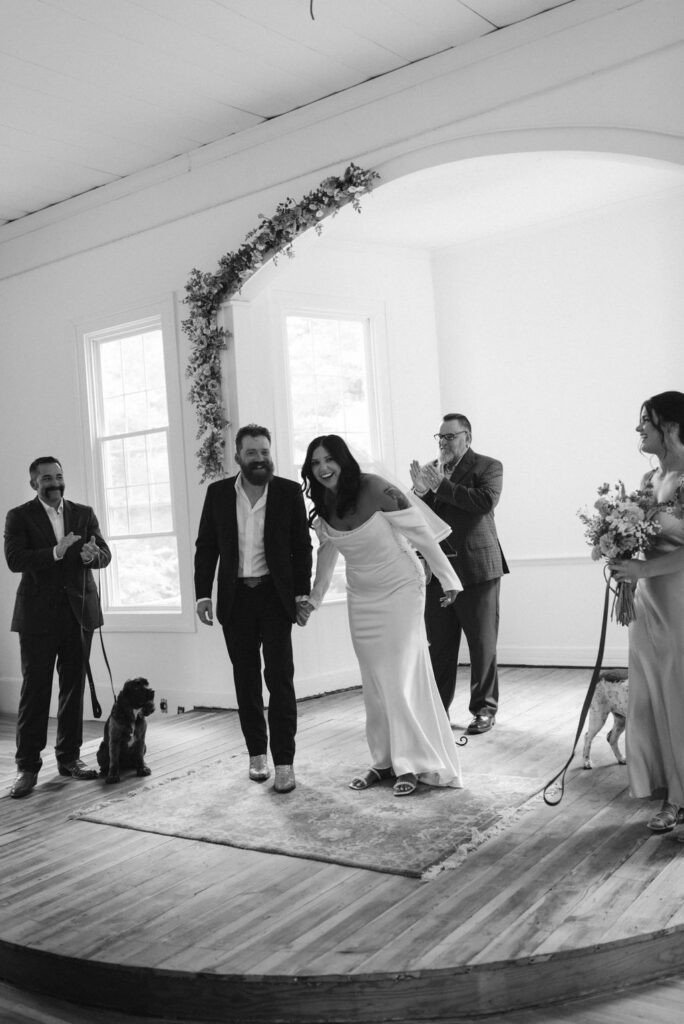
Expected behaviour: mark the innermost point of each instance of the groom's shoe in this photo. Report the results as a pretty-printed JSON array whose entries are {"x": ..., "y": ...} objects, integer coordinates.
[
  {"x": 76, "y": 770},
  {"x": 284, "y": 778},
  {"x": 23, "y": 784},
  {"x": 258, "y": 768},
  {"x": 482, "y": 722}
]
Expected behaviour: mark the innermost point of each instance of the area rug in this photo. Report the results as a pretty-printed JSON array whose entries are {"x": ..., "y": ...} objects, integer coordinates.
[{"x": 322, "y": 819}]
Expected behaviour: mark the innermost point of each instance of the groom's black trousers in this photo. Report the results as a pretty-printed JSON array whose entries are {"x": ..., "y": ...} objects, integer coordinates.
[
  {"x": 258, "y": 622},
  {"x": 475, "y": 612}
]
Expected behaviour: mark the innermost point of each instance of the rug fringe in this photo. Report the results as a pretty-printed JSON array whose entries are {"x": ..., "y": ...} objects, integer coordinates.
[{"x": 478, "y": 838}]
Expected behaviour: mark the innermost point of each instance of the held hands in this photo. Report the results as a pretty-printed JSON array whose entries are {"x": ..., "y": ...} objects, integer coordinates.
[
  {"x": 449, "y": 597},
  {"x": 627, "y": 570},
  {"x": 90, "y": 552},
  {"x": 304, "y": 609},
  {"x": 205, "y": 611}
]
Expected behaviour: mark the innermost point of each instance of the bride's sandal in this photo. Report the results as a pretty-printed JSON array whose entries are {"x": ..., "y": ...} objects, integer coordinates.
[
  {"x": 667, "y": 817},
  {"x": 371, "y": 778},
  {"x": 405, "y": 784}
]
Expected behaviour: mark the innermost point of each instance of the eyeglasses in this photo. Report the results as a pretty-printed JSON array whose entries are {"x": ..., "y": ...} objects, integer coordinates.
[{"x": 448, "y": 437}]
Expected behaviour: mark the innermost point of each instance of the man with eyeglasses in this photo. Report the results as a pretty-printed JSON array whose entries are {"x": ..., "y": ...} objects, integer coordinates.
[{"x": 464, "y": 488}]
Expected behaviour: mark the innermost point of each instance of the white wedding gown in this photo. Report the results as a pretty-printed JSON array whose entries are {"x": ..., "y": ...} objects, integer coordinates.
[{"x": 406, "y": 725}]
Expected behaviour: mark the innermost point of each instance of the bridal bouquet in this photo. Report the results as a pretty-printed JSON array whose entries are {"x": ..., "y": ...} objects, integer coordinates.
[{"x": 622, "y": 526}]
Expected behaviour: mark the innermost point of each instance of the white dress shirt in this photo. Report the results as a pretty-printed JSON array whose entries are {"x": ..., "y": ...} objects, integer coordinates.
[
  {"x": 56, "y": 517},
  {"x": 250, "y": 525}
]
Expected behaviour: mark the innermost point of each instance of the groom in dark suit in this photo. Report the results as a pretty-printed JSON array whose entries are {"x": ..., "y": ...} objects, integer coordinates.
[
  {"x": 54, "y": 544},
  {"x": 463, "y": 488},
  {"x": 254, "y": 526}
]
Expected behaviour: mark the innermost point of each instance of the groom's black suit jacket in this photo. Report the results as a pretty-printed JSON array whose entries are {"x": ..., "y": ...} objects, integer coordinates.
[
  {"x": 29, "y": 544},
  {"x": 287, "y": 545}
]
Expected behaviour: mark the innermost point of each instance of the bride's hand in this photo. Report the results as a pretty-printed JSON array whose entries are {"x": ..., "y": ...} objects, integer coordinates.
[
  {"x": 448, "y": 598},
  {"x": 304, "y": 609},
  {"x": 626, "y": 570}
]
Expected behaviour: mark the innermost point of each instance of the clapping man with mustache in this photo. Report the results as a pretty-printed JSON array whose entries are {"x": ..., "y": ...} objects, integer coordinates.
[
  {"x": 254, "y": 527},
  {"x": 55, "y": 544}
]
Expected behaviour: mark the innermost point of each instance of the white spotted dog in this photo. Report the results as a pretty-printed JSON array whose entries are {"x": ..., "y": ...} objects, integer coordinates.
[{"x": 610, "y": 696}]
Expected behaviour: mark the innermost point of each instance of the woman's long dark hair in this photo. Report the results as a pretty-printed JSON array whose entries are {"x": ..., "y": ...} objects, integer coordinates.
[
  {"x": 667, "y": 407},
  {"x": 349, "y": 481}
]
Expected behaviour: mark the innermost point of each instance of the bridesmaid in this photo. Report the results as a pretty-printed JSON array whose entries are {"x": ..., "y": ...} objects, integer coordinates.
[{"x": 655, "y": 719}]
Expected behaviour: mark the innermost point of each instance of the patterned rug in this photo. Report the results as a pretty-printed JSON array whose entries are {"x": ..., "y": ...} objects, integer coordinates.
[{"x": 322, "y": 819}]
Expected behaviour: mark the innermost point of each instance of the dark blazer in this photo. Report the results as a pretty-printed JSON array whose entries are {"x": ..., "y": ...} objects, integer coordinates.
[
  {"x": 287, "y": 544},
  {"x": 466, "y": 502},
  {"x": 29, "y": 543}
]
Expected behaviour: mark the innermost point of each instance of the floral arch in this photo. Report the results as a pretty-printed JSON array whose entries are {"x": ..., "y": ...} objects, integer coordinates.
[{"x": 206, "y": 292}]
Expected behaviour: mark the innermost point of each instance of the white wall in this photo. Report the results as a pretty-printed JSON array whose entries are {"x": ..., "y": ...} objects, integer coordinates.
[
  {"x": 550, "y": 340},
  {"x": 597, "y": 75}
]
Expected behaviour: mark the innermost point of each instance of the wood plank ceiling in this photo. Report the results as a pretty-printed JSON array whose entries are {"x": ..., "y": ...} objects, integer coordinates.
[{"x": 94, "y": 90}]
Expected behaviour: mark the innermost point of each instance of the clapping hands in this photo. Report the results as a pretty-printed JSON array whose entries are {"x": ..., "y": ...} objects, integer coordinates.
[{"x": 425, "y": 478}]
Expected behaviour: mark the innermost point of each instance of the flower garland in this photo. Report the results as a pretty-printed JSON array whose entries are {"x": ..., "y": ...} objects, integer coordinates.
[{"x": 206, "y": 292}]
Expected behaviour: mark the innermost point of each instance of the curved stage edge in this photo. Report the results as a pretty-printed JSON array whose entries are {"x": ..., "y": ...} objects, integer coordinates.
[{"x": 463, "y": 992}]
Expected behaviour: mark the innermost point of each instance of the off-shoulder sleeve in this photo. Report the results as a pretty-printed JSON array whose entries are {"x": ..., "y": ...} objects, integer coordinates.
[
  {"x": 410, "y": 524},
  {"x": 326, "y": 560}
]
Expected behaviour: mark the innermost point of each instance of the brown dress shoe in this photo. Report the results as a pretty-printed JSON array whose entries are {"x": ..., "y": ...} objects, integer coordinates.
[
  {"x": 23, "y": 784},
  {"x": 77, "y": 770}
]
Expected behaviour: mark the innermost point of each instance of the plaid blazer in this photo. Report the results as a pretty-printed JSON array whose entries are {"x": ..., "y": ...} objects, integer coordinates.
[{"x": 466, "y": 501}]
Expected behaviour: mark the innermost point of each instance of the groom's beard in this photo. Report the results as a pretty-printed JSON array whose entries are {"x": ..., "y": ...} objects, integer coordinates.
[{"x": 258, "y": 473}]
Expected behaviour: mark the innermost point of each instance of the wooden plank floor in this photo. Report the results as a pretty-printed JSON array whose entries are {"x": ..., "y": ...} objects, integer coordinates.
[{"x": 568, "y": 900}]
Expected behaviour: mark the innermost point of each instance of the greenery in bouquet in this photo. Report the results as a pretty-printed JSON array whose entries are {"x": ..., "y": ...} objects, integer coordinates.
[{"x": 622, "y": 526}]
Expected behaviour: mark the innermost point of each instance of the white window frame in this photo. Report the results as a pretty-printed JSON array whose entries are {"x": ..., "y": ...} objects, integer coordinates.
[
  {"x": 283, "y": 304},
  {"x": 301, "y": 304},
  {"x": 161, "y": 313}
]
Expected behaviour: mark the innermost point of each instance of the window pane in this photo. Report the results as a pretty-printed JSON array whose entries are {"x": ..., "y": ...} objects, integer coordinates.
[
  {"x": 133, "y": 385},
  {"x": 131, "y": 432},
  {"x": 137, "y": 485},
  {"x": 144, "y": 573},
  {"x": 328, "y": 380},
  {"x": 329, "y": 391}
]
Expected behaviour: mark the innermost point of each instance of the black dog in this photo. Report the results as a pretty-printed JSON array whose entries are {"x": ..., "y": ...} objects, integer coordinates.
[{"x": 123, "y": 745}]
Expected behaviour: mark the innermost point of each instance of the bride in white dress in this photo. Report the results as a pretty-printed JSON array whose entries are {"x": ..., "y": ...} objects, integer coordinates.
[{"x": 373, "y": 525}]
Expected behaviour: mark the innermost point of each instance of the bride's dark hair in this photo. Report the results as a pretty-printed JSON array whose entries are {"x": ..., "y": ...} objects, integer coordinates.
[
  {"x": 667, "y": 407},
  {"x": 349, "y": 482}
]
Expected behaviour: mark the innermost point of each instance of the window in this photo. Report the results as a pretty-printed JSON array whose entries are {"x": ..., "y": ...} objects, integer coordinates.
[
  {"x": 328, "y": 364},
  {"x": 131, "y": 445},
  {"x": 331, "y": 391}
]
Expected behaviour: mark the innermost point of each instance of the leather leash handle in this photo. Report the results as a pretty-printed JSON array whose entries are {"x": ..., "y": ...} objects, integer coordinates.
[
  {"x": 585, "y": 707},
  {"x": 97, "y": 710}
]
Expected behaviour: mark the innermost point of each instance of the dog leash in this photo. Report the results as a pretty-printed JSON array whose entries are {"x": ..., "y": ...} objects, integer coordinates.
[
  {"x": 585, "y": 707},
  {"x": 97, "y": 710}
]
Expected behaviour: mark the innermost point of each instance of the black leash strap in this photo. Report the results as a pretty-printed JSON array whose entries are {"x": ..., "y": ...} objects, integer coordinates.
[
  {"x": 97, "y": 710},
  {"x": 585, "y": 708}
]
